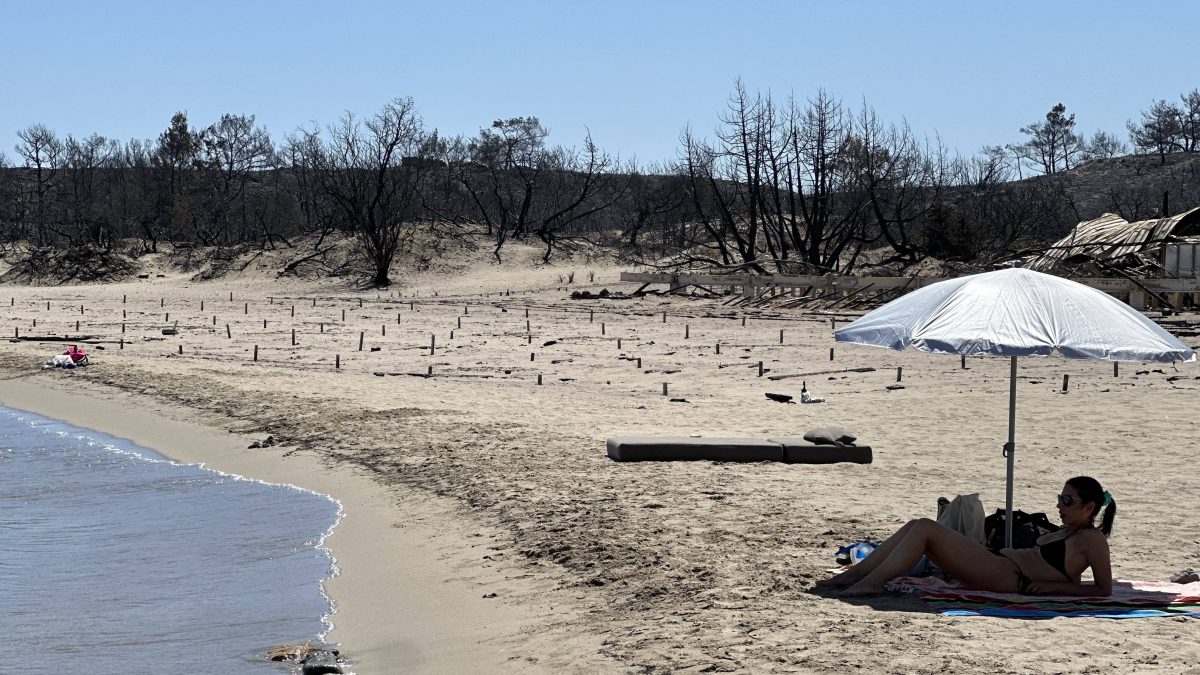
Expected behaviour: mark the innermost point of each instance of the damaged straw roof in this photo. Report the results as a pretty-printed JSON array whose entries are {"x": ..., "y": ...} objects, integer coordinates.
[{"x": 1111, "y": 238}]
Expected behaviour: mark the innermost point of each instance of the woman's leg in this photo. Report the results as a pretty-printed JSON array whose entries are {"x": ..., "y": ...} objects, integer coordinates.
[
  {"x": 868, "y": 564},
  {"x": 964, "y": 559}
]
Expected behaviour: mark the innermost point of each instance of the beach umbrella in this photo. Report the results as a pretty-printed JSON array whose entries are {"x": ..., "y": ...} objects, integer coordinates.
[{"x": 1016, "y": 312}]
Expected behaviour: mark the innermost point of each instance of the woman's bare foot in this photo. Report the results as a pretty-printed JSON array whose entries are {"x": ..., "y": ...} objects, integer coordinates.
[{"x": 862, "y": 589}]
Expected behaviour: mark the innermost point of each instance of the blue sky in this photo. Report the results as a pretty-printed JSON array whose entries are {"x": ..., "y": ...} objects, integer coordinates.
[{"x": 634, "y": 73}]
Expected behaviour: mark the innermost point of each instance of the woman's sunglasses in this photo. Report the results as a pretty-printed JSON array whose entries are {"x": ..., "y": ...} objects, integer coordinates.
[{"x": 1066, "y": 500}]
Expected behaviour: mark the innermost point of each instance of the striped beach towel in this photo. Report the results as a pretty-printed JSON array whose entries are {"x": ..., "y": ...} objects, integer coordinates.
[{"x": 1129, "y": 600}]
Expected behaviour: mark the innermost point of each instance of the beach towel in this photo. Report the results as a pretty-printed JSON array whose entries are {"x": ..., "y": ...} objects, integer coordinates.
[{"x": 1129, "y": 600}]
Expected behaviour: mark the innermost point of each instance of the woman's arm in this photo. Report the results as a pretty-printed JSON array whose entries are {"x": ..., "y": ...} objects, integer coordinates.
[{"x": 1098, "y": 560}]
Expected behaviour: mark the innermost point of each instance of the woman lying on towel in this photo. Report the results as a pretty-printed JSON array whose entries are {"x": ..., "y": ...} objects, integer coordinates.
[{"x": 1053, "y": 567}]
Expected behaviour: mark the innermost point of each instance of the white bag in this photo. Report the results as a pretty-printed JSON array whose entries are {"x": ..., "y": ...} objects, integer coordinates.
[{"x": 964, "y": 515}]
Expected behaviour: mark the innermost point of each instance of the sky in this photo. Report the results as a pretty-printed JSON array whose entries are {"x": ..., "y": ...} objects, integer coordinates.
[{"x": 634, "y": 74}]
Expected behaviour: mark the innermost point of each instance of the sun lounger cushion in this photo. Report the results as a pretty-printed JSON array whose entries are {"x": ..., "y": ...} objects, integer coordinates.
[
  {"x": 682, "y": 448},
  {"x": 829, "y": 436},
  {"x": 801, "y": 451}
]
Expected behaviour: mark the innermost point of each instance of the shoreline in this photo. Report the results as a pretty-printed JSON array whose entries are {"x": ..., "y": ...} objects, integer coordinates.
[{"x": 434, "y": 620}]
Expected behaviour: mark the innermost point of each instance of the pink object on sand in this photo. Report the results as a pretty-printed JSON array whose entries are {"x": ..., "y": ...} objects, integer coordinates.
[{"x": 75, "y": 353}]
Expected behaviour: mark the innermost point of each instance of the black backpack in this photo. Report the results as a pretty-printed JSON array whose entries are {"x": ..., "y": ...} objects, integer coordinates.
[{"x": 1027, "y": 527}]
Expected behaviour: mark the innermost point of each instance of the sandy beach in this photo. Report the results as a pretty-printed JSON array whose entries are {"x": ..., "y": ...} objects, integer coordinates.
[{"x": 461, "y": 477}]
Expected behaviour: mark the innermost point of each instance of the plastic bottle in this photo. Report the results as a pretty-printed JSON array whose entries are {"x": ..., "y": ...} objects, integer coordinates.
[{"x": 860, "y": 550}]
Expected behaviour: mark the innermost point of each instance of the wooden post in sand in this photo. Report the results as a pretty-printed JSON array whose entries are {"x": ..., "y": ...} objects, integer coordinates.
[
  {"x": 460, "y": 322},
  {"x": 18, "y": 331},
  {"x": 76, "y": 325},
  {"x": 687, "y": 331},
  {"x": 47, "y": 305},
  {"x": 618, "y": 343},
  {"x": 256, "y": 352},
  {"x": 201, "y": 305},
  {"x": 962, "y": 363},
  {"x": 539, "y": 379},
  {"x": 360, "y": 302},
  {"x": 122, "y": 344},
  {"x": 760, "y": 368},
  {"x": 293, "y": 310},
  {"x": 337, "y": 361},
  {"x": 718, "y": 349},
  {"x": 383, "y": 330},
  {"x": 664, "y": 317},
  {"x": 214, "y": 319},
  {"x": 314, "y": 302},
  {"x": 591, "y": 316},
  {"x": 603, "y": 329},
  {"x": 361, "y": 335},
  {"x": 122, "y": 327},
  {"x": 167, "y": 317},
  {"x": 231, "y": 296},
  {"x": 293, "y": 337},
  {"x": 343, "y": 315},
  {"x": 639, "y": 362},
  {"x": 1115, "y": 369},
  {"x": 123, "y": 298},
  {"x": 264, "y": 323},
  {"x": 81, "y": 310},
  {"x": 526, "y": 314},
  {"x": 246, "y": 308},
  {"x": 228, "y": 333},
  {"x": 322, "y": 327},
  {"x": 899, "y": 373},
  {"x": 162, "y": 302},
  {"x": 831, "y": 353},
  {"x": 451, "y": 335},
  {"x": 1066, "y": 380},
  {"x": 532, "y": 355},
  {"x": 665, "y": 389},
  {"x": 397, "y": 319},
  {"x": 743, "y": 322},
  {"x": 181, "y": 350},
  {"x": 432, "y": 344},
  {"x": 780, "y": 336}
]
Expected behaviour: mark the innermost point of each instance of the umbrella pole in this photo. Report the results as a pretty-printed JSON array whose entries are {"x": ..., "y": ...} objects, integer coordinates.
[{"x": 1009, "y": 450}]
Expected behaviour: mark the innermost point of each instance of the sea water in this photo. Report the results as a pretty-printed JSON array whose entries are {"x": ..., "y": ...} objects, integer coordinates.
[{"x": 115, "y": 560}]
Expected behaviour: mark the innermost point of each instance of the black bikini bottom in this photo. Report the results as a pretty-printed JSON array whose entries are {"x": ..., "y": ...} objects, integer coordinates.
[{"x": 1022, "y": 580}]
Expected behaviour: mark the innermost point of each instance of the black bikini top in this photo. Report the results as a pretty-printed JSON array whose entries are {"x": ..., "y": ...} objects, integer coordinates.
[{"x": 1055, "y": 554}]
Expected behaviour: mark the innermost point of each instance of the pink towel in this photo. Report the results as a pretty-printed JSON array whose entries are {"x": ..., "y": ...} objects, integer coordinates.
[{"x": 1124, "y": 592}]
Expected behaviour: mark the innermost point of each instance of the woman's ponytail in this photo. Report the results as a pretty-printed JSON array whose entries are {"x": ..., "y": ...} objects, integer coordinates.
[{"x": 1110, "y": 513}]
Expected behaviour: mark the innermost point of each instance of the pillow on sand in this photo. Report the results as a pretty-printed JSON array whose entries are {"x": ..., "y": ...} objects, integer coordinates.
[{"x": 829, "y": 436}]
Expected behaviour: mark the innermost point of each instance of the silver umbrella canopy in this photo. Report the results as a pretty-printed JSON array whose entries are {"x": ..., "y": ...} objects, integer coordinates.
[{"x": 1016, "y": 312}]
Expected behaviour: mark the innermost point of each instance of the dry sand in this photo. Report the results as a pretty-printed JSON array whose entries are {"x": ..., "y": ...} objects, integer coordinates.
[{"x": 477, "y": 480}]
